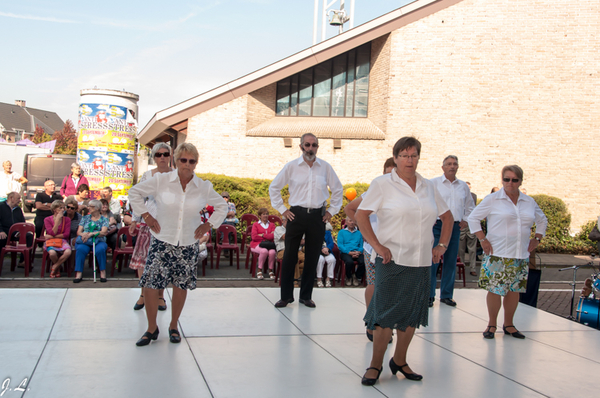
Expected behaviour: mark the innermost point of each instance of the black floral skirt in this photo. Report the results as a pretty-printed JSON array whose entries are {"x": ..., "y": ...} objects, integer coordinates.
[{"x": 170, "y": 264}]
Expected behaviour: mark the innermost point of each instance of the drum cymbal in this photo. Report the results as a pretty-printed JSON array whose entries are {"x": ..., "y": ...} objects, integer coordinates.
[{"x": 588, "y": 258}]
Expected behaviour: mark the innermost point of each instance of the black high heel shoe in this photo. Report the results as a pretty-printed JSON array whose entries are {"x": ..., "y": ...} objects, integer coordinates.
[
  {"x": 145, "y": 339},
  {"x": 516, "y": 334},
  {"x": 369, "y": 382},
  {"x": 410, "y": 376},
  {"x": 174, "y": 336},
  {"x": 162, "y": 307},
  {"x": 488, "y": 334},
  {"x": 137, "y": 306}
]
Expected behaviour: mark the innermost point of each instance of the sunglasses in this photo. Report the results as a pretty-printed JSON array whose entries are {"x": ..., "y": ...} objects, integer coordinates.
[
  {"x": 308, "y": 145},
  {"x": 162, "y": 154},
  {"x": 184, "y": 161},
  {"x": 225, "y": 197},
  {"x": 71, "y": 207},
  {"x": 510, "y": 179}
]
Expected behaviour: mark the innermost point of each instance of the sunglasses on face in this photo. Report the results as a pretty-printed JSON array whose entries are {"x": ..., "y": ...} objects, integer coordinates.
[
  {"x": 184, "y": 161},
  {"x": 71, "y": 208},
  {"x": 308, "y": 145},
  {"x": 162, "y": 154},
  {"x": 225, "y": 197},
  {"x": 505, "y": 179}
]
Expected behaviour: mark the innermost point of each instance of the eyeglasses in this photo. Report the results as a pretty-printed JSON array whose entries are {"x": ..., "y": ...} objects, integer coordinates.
[
  {"x": 71, "y": 208},
  {"x": 162, "y": 154},
  {"x": 510, "y": 179},
  {"x": 308, "y": 145},
  {"x": 184, "y": 161},
  {"x": 406, "y": 157},
  {"x": 225, "y": 197}
]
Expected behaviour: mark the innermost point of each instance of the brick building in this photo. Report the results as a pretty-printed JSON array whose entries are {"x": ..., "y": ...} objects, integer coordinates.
[{"x": 493, "y": 82}]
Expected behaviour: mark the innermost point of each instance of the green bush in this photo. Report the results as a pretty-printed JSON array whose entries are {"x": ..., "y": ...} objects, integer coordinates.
[{"x": 558, "y": 216}]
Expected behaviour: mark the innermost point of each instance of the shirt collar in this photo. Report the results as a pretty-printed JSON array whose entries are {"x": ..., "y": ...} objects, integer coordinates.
[
  {"x": 175, "y": 177},
  {"x": 398, "y": 180},
  {"x": 501, "y": 194},
  {"x": 444, "y": 179},
  {"x": 301, "y": 160}
]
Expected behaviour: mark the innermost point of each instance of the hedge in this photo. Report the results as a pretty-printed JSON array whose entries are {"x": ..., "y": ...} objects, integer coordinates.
[{"x": 251, "y": 194}]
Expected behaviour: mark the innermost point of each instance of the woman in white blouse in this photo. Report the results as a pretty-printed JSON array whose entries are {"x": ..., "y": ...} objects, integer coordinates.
[
  {"x": 407, "y": 205},
  {"x": 176, "y": 228},
  {"x": 510, "y": 215}
]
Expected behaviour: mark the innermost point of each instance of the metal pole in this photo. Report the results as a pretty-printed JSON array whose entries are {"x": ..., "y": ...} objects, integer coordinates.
[
  {"x": 316, "y": 22},
  {"x": 351, "y": 14},
  {"x": 324, "y": 24}
]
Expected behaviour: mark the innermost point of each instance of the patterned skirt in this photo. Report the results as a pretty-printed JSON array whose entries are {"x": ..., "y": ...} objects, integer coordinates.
[
  {"x": 167, "y": 263},
  {"x": 65, "y": 246},
  {"x": 140, "y": 252},
  {"x": 401, "y": 297},
  {"x": 501, "y": 275}
]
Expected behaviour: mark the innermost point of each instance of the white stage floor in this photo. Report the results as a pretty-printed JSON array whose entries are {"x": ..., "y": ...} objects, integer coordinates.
[{"x": 81, "y": 342}]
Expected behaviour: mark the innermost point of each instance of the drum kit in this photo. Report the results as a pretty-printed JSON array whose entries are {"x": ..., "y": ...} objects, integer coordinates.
[{"x": 588, "y": 307}]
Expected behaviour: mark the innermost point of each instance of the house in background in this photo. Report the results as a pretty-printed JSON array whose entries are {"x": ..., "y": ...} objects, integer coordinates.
[
  {"x": 18, "y": 122},
  {"x": 494, "y": 82}
]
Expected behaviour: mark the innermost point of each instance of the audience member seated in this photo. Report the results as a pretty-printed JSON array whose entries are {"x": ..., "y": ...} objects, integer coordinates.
[
  {"x": 92, "y": 228},
  {"x": 82, "y": 198},
  {"x": 230, "y": 219},
  {"x": 280, "y": 247},
  {"x": 111, "y": 235},
  {"x": 326, "y": 257},
  {"x": 72, "y": 214},
  {"x": 11, "y": 213},
  {"x": 350, "y": 243},
  {"x": 263, "y": 242},
  {"x": 58, "y": 230}
]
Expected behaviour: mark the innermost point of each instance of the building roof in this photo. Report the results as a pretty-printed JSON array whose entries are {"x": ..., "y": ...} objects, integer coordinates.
[
  {"x": 322, "y": 127},
  {"x": 15, "y": 117},
  {"x": 178, "y": 114}
]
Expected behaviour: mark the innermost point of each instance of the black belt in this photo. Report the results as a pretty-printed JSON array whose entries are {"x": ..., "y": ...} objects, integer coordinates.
[{"x": 308, "y": 210}]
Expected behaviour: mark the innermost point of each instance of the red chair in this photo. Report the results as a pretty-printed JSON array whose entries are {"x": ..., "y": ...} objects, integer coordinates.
[
  {"x": 226, "y": 230},
  {"x": 124, "y": 253},
  {"x": 248, "y": 219},
  {"x": 39, "y": 240},
  {"x": 19, "y": 246},
  {"x": 275, "y": 219},
  {"x": 47, "y": 263}
]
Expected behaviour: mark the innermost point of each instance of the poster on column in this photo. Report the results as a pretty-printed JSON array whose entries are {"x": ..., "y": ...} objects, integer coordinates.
[{"x": 106, "y": 144}]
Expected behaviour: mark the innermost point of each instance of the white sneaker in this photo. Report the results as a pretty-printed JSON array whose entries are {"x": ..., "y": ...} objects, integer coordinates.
[
  {"x": 259, "y": 275},
  {"x": 327, "y": 283},
  {"x": 348, "y": 281},
  {"x": 320, "y": 283},
  {"x": 355, "y": 280},
  {"x": 271, "y": 275}
]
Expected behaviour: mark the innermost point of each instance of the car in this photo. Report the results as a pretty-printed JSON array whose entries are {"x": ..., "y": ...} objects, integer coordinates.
[{"x": 39, "y": 168}]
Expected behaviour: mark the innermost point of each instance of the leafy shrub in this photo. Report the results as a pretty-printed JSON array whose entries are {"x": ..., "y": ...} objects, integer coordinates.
[{"x": 558, "y": 216}]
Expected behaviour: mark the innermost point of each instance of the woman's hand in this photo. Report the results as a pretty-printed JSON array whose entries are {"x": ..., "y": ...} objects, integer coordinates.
[
  {"x": 152, "y": 223},
  {"x": 384, "y": 252},
  {"x": 325, "y": 251},
  {"x": 533, "y": 244},
  {"x": 437, "y": 253},
  {"x": 487, "y": 247},
  {"x": 85, "y": 236},
  {"x": 132, "y": 228},
  {"x": 201, "y": 230}
]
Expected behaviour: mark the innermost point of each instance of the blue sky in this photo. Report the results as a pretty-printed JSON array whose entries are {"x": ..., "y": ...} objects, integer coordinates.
[{"x": 165, "y": 51}]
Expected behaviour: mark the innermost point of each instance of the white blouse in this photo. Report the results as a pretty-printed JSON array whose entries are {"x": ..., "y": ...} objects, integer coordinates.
[
  {"x": 508, "y": 225},
  {"x": 178, "y": 211},
  {"x": 405, "y": 218}
]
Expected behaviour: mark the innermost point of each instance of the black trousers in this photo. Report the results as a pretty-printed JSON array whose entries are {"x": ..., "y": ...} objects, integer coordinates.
[
  {"x": 308, "y": 223},
  {"x": 39, "y": 226},
  {"x": 349, "y": 262}
]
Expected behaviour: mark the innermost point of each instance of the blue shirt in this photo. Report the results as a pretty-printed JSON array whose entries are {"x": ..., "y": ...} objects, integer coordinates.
[
  {"x": 350, "y": 241},
  {"x": 91, "y": 226}
]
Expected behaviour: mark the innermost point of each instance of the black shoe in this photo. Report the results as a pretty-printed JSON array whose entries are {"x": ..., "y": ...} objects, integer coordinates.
[
  {"x": 488, "y": 334},
  {"x": 162, "y": 307},
  {"x": 283, "y": 303},
  {"x": 431, "y": 300},
  {"x": 145, "y": 339},
  {"x": 309, "y": 303},
  {"x": 369, "y": 382},
  {"x": 516, "y": 334},
  {"x": 448, "y": 301},
  {"x": 103, "y": 280},
  {"x": 77, "y": 280},
  {"x": 369, "y": 336},
  {"x": 410, "y": 376},
  {"x": 137, "y": 306},
  {"x": 174, "y": 336}
]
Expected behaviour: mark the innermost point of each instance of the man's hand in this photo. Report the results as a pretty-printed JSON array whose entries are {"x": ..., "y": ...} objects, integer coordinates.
[
  {"x": 325, "y": 251},
  {"x": 289, "y": 215},
  {"x": 463, "y": 224},
  {"x": 201, "y": 230},
  {"x": 3, "y": 235},
  {"x": 326, "y": 217},
  {"x": 437, "y": 253}
]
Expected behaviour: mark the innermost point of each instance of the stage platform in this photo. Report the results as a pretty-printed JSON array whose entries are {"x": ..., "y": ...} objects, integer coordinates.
[{"x": 81, "y": 342}]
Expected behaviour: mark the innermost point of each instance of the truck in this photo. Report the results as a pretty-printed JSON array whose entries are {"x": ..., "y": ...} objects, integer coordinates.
[{"x": 39, "y": 168}]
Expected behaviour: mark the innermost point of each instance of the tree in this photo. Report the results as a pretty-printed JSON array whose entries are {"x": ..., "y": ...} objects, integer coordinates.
[
  {"x": 66, "y": 139},
  {"x": 40, "y": 135}
]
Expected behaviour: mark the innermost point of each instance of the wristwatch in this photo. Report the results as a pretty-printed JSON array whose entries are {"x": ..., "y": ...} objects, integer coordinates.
[
  {"x": 538, "y": 239},
  {"x": 443, "y": 245}
]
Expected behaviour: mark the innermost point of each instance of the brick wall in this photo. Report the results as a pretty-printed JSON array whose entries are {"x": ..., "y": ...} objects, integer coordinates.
[{"x": 493, "y": 82}]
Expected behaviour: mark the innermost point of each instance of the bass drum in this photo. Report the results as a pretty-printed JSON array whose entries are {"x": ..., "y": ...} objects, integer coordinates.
[{"x": 588, "y": 312}]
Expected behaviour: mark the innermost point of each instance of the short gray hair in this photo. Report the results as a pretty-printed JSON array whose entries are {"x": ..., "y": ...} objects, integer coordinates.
[
  {"x": 158, "y": 146},
  {"x": 449, "y": 157},
  {"x": 73, "y": 165},
  {"x": 96, "y": 204},
  {"x": 70, "y": 200},
  {"x": 188, "y": 148},
  {"x": 309, "y": 134},
  {"x": 56, "y": 204}
]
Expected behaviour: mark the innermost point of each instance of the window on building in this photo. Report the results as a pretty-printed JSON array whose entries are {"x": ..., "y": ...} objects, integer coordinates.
[{"x": 338, "y": 87}]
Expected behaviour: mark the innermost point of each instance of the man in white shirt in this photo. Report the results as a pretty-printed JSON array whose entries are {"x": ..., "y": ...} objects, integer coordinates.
[
  {"x": 458, "y": 197},
  {"x": 308, "y": 179}
]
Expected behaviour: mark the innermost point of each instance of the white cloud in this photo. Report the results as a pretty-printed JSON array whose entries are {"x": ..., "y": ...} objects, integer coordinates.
[{"x": 36, "y": 18}]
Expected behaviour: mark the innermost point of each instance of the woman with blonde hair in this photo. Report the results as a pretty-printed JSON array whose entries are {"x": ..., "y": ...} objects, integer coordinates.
[{"x": 58, "y": 230}]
